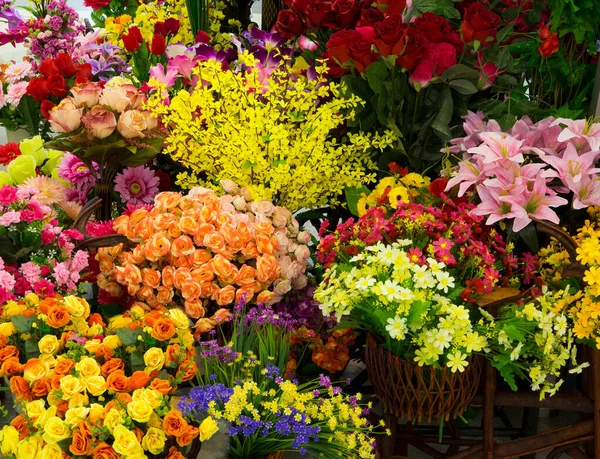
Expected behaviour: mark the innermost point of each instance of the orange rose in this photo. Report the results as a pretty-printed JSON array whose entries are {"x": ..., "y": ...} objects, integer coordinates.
[
  {"x": 163, "y": 222},
  {"x": 223, "y": 267},
  {"x": 264, "y": 297},
  {"x": 188, "y": 436},
  {"x": 146, "y": 293},
  {"x": 81, "y": 444},
  {"x": 244, "y": 294},
  {"x": 41, "y": 387},
  {"x": 96, "y": 318},
  {"x": 119, "y": 403},
  {"x": 247, "y": 275},
  {"x": 203, "y": 230},
  {"x": 105, "y": 451},
  {"x": 158, "y": 246},
  {"x": 194, "y": 308},
  {"x": 63, "y": 367},
  {"x": 11, "y": 367},
  {"x": 188, "y": 224},
  {"x": 132, "y": 274},
  {"x": 215, "y": 241},
  {"x": 200, "y": 257},
  {"x": 180, "y": 276},
  {"x": 150, "y": 277},
  {"x": 3, "y": 341},
  {"x": 267, "y": 268},
  {"x": 250, "y": 250},
  {"x": 204, "y": 273},
  {"x": 190, "y": 289},
  {"x": 224, "y": 296},
  {"x": 208, "y": 214},
  {"x": 208, "y": 289},
  {"x": 187, "y": 370},
  {"x": 139, "y": 433},
  {"x": 264, "y": 244},
  {"x": 264, "y": 227},
  {"x": 182, "y": 247},
  {"x": 20, "y": 388},
  {"x": 117, "y": 381},
  {"x": 164, "y": 295},
  {"x": 105, "y": 263},
  {"x": 47, "y": 303},
  {"x": 173, "y": 353},
  {"x": 111, "y": 366},
  {"x": 20, "y": 423},
  {"x": 244, "y": 233},
  {"x": 138, "y": 380},
  {"x": 204, "y": 326},
  {"x": 9, "y": 352},
  {"x": 160, "y": 385},
  {"x": 222, "y": 315},
  {"x": 58, "y": 317},
  {"x": 174, "y": 453},
  {"x": 55, "y": 381},
  {"x": 152, "y": 317},
  {"x": 104, "y": 351},
  {"x": 138, "y": 215},
  {"x": 120, "y": 224},
  {"x": 163, "y": 329},
  {"x": 174, "y": 424},
  {"x": 61, "y": 408}
]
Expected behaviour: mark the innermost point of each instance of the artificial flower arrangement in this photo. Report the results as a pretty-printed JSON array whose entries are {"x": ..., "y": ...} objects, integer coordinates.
[
  {"x": 284, "y": 152},
  {"x": 204, "y": 251},
  {"x": 524, "y": 173},
  {"x": 26, "y": 160},
  {"x": 244, "y": 392},
  {"x": 37, "y": 255}
]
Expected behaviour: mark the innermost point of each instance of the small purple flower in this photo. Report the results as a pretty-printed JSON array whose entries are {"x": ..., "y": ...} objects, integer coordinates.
[{"x": 324, "y": 381}]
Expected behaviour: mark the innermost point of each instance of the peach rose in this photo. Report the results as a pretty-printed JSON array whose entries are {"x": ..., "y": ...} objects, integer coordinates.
[
  {"x": 117, "y": 381},
  {"x": 188, "y": 225},
  {"x": 208, "y": 289},
  {"x": 132, "y": 123},
  {"x": 167, "y": 276},
  {"x": 150, "y": 277},
  {"x": 267, "y": 268},
  {"x": 138, "y": 380},
  {"x": 104, "y": 451},
  {"x": 190, "y": 289},
  {"x": 203, "y": 230},
  {"x": 174, "y": 424},
  {"x": 99, "y": 122},
  {"x": 86, "y": 95},
  {"x": 264, "y": 227},
  {"x": 229, "y": 186},
  {"x": 282, "y": 287},
  {"x": 214, "y": 241},
  {"x": 167, "y": 200},
  {"x": 265, "y": 208},
  {"x": 163, "y": 330},
  {"x": 194, "y": 308},
  {"x": 164, "y": 295},
  {"x": 115, "y": 97},
  {"x": 65, "y": 117},
  {"x": 203, "y": 274},
  {"x": 223, "y": 267},
  {"x": 188, "y": 436},
  {"x": 162, "y": 386},
  {"x": 265, "y": 296},
  {"x": 250, "y": 250},
  {"x": 247, "y": 275},
  {"x": 264, "y": 244},
  {"x": 157, "y": 247},
  {"x": 182, "y": 246},
  {"x": 224, "y": 296},
  {"x": 58, "y": 317}
]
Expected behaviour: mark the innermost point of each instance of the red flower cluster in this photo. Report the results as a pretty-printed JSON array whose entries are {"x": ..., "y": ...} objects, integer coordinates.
[
  {"x": 133, "y": 39},
  {"x": 8, "y": 152},
  {"x": 96, "y": 4},
  {"x": 58, "y": 76},
  {"x": 550, "y": 42},
  {"x": 479, "y": 24}
]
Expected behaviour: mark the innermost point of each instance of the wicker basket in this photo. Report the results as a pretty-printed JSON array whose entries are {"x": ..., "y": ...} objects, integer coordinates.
[{"x": 407, "y": 390}]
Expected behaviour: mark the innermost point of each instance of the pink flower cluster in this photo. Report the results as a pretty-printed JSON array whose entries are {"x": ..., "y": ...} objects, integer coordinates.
[
  {"x": 519, "y": 174},
  {"x": 36, "y": 254},
  {"x": 450, "y": 234}
]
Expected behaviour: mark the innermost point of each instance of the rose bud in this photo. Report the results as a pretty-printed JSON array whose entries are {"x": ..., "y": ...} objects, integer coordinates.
[
  {"x": 48, "y": 67},
  {"x": 158, "y": 45},
  {"x": 132, "y": 39},
  {"x": 100, "y": 122},
  {"x": 65, "y": 65},
  {"x": 86, "y": 95},
  {"x": 65, "y": 117}
]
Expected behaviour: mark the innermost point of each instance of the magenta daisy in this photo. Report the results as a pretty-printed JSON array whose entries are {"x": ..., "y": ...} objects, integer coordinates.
[
  {"x": 137, "y": 185},
  {"x": 72, "y": 169}
]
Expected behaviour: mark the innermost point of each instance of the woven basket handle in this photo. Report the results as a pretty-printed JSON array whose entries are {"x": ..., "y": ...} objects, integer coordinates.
[{"x": 94, "y": 242}]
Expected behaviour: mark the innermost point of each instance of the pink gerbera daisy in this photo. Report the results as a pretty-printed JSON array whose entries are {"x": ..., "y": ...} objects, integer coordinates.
[
  {"x": 50, "y": 191},
  {"x": 137, "y": 185},
  {"x": 72, "y": 169}
]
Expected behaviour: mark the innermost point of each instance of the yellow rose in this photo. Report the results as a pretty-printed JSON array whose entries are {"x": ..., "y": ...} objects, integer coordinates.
[
  {"x": 7, "y": 329},
  {"x": 81, "y": 326},
  {"x": 9, "y": 437},
  {"x": 92, "y": 345},
  {"x": 151, "y": 396},
  {"x": 154, "y": 441},
  {"x": 112, "y": 342},
  {"x": 29, "y": 447},
  {"x": 35, "y": 369},
  {"x": 32, "y": 299},
  {"x": 154, "y": 358},
  {"x": 96, "y": 385},
  {"x": 74, "y": 416},
  {"x": 77, "y": 307},
  {"x": 139, "y": 410},
  {"x": 43, "y": 418},
  {"x": 179, "y": 318},
  {"x": 13, "y": 308},
  {"x": 137, "y": 312},
  {"x": 119, "y": 322},
  {"x": 49, "y": 345},
  {"x": 49, "y": 359},
  {"x": 54, "y": 398},
  {"x": 155, "y": 421},
  {"x": 126, "y": 443},
  {"x": 138, "y": 455},
  {"x": 55, "y": 430},
  {"x": 88, "y": 367},
  {"x": 94, "y": 330},
  {"x": 52, "y": 452},
  {"x": 113, "y": 419},
  {"x": 80, "y": 399},
  {"x": 187, "y": 339},
  {"x": 96, "y": 414},
  {"x": 70, "y": 385},
  {"x": 35, "y": 409},
  {"x": 208, "y": 428}
]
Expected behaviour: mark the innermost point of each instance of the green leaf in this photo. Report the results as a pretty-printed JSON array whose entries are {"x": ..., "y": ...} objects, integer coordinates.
[
  {"x": 441, "y": 122},
  {"x": 513, "y": 333},
  {"x": 248, "y": 165},
  {"x": 417, "y": 309},
  {"x": 128, "y": 336},
  {"x": 137, "y": 361},
  {"x": 503, "y": 58},
  {"x": 460, "y": 71},
  {"x": 504, "y": 31},
  {"x": 32, "y": 349},
  {"x": 463, "y": 86},
  {"x": 22, "y": 323},
  {"x": 377, "y": 73},
  {"x": 353, "y": 194},
  {"x": 530, "y": 237}
]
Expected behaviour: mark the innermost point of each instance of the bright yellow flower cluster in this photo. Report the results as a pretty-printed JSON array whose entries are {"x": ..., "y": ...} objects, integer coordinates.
[
  {"x": 390, "y": 190},
  {"x": 273, "y": 135}
]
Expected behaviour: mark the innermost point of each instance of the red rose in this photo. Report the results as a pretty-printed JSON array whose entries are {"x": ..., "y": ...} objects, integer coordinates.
[
  {"x": 65, "y": 65},
  {"x": 57, "y": 86},
  {"x": 289, "y": 24},
  {"x": 346, "y": 13},
  {"x": 48, "y": 67},
  {"x": 438, "y": 30},
  {"x": 370, "y": 17},
  {"x": 38, "y": 89},
  {"x": 334, "y": 69},
  {"x": 46, "y": 107},
  {"x": 438, "y": 58},
  {"x": 318, "y": 14},
  {"x": 83, "y": 71},
  {"x": 132, "y": 39},
  {"x": 549, "y": 46},
  {"x": 391, "y": 33},
  {"x": 479, "y": 23},
  {"x": 158, "y": 45},
  {"x": 391, "y": 6},
  {"x": 338, "y": 44},
  {"x": 438, "y": 186},
  {"x": 202, "y": 37},
  {"x": 544, "y": 33},
  {"x": 8, "y": 152},
  {"x": 169, "y": 27},
  {"x": 96, "y": 4},
  {"x": 415, "y": 48},
  {"x": 362, "y": 54}
]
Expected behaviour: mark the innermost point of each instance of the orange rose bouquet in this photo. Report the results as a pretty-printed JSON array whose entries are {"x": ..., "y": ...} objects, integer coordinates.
[{"x": 205, "y": 252}]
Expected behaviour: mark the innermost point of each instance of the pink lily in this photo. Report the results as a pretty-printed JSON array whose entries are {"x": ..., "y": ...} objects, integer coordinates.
[
  {"x": 572, "y": 166},
  {"x": 168, "y": 78},
  {"x": 582, "y": 131},
  {"x": 586, "y": 192},
  {"x": 499, "y": 146},
  {"x": 495, "y": 207},
  {"x": 470, "y": 172}
]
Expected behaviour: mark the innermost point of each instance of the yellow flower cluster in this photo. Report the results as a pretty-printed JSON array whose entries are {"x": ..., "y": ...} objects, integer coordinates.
[
  {"x": 390, "y": 190},
  {"x": 273, "y": 135}
]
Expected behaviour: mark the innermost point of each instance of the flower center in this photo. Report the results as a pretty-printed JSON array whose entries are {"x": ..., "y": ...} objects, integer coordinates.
[
  {"x": 135, "y": 188},
  {"x": 81, "y": 169}
]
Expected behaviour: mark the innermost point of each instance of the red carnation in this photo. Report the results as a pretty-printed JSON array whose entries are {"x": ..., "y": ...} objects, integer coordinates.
[
  {"x": 96, "y": 4},
  {"x": 8, "y": 152}
]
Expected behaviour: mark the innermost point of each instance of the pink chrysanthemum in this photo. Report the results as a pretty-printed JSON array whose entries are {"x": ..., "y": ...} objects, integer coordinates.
[
  {"x": 72, "y": 169},
  {"x": 97, "y": 229},
  {"x": 137, "y": 185},
  {"x": 70, "y": 208},
  {"x": 18, "y": 71},
  {"x": 50, "y": 191}
]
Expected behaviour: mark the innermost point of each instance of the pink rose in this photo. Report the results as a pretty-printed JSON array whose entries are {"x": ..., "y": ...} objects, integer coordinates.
[
  {"x": 300, "y": 282},
  {"x": 100, "y": 122},
  {"x": 282, "y": 287},
  {"x": 278, "y": 220},
  {"x": 65, "y": 117},
  {"x": 86, "y": 95},
  {"x": 262, "y": 207},
  {"x": 229, "y": 186},
  {"x": 246, "y": 194},
  {"x": 115, "y": 97},
  {"x": 131, "y": 124},
  {"x": 151, "y": 122},
  {"x": 136, "y": 97},
  {"x": 239, "y": 203},
  {"x": 304, "y": 237},
  {"x": 284, "y": 213},
  {"x": 302, "y": 253}
]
